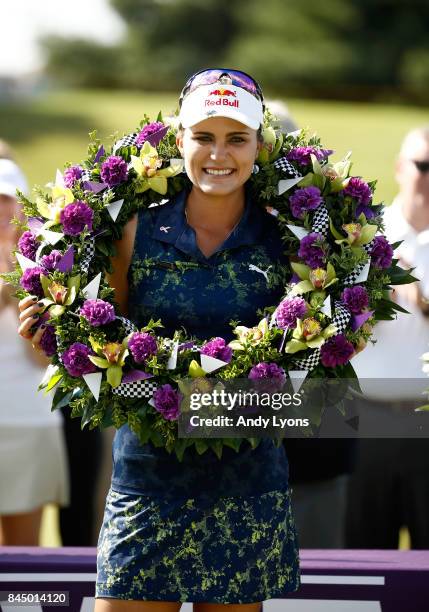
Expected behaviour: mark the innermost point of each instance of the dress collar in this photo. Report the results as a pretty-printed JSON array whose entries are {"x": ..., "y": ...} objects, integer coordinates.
[{"x": 171, "y": 227}]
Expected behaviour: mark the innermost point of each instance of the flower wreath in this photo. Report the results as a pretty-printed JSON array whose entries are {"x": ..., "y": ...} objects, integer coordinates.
[{"x": 112, "y": 373}]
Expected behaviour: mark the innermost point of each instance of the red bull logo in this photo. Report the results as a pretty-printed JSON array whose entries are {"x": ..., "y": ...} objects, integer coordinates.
[
  {"x": 223, "y": 92},
  {"x": 222, "y": 97}
]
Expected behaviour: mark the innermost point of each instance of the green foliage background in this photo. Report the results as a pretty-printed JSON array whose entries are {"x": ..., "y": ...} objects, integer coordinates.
[{"x": 342, "y": 49}]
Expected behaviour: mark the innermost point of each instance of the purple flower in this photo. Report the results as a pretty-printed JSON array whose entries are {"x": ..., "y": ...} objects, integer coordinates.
[
  {"x": 358, "y": 189},
  {"x": 355, "y": 298},
  {"x": 381, "y": 253},
  {"x": 289, "y": 310},
  {"x": 308, "y": 198},
  {"x": 267, "y": 370},
  {"x": 312, "y": 253},
  {"x": 167, "y": 402},
  {"x": 30, "y": 281},
  {"x": 153, "y": 133},
  {"x": 114, "y": 170},
  {"x": 142, "y": 346},
  {"x": 301, "y": 155},
  {"x": 75, "y": 360},
  {"x": 49, "y": 262},
  {"x": 269, "y": 376},
  {"x": 48, "y": 341},
  {"x": 75, "y": 217},
  {"x": 72, "y": 175},
  {"x": 217, "y": 348},
  {"x": 336, "y": 351},
  {"x": 28, "y": 245},
  {"x": 98, "y": 312}
]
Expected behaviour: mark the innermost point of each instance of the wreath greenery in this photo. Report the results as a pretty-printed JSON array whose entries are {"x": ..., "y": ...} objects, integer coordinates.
[{"x": 106, "y": 370}]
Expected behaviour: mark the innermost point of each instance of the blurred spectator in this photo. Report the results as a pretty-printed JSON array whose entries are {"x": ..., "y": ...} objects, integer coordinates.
[
  {"x": 33, "y": 465},
  {"x": 319, "y": 468},
  {"x": 390, "y": 487},
  {"x": 5, "y": 150}
]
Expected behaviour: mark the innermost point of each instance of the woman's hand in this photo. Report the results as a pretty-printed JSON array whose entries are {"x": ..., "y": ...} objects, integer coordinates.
[{"x": 30, "y": 308}]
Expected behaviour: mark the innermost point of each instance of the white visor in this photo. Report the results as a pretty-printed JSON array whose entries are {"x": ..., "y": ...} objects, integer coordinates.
[{"x": 221, "y": 101}]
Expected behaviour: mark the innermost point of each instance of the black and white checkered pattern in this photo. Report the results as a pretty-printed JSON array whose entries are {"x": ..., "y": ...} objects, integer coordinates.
[
  {"x": 139, "y": 388},
  {"x": 368, "y": 247},
  {"x": 321, "y": 221},
  {"x": 126, "y": 141},
  {"x": 341, "y": 317},
  {"x": 307, "y": 363},
  {"x": 351, "y": 279},
  {"x": 284, "y": 165},
  {"x": 88, "y": 253},
  {"x": 128, "y": 325},
  {"x": 86, "y": 175}
]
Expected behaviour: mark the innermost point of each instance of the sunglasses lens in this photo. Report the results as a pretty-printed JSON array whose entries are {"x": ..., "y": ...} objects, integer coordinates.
[
  {"x": 238, "y": 78},
  {"x": 422, "y": 166}
]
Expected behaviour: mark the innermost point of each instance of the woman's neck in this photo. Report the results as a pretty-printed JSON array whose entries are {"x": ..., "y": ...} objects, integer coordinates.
[{"x": 214, "y": 213}]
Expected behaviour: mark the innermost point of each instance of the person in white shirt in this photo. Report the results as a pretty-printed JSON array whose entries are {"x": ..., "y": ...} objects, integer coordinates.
[
  {"x": 390, "y": 487},
  {"x": 33, "y": 462}
]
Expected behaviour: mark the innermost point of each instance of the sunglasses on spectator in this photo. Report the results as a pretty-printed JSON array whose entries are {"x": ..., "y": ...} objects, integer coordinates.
[
  {"x": 224, "y": 76},
  {"x": 422, "y": 166}
]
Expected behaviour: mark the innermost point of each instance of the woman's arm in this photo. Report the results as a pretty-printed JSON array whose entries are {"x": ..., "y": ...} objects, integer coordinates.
[{"x": 121, "y": 262}]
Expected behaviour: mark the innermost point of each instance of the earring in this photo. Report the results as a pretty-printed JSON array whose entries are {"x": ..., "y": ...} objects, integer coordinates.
[{"x": 255, "y": 169}]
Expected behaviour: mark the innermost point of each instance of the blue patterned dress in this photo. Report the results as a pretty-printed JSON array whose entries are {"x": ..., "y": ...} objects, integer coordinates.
[{"x": 204, "y": 530}]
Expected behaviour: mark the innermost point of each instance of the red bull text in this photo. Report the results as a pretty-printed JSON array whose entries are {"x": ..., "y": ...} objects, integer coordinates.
[{"x": 222, "y": 102}]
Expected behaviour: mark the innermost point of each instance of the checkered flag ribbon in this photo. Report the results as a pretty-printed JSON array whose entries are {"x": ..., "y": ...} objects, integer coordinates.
[
  {"x": 284, "y": 165},
  {"x": 128, "y": 325},
  {"x": 86, "y": 175},
  {"x": 341, "y": 317},
  {"x": 139, "y": 388},
  {"x": 126, "y": 141},
  {"x": 88, "y": 253},
  {"x": 351, "y": 278},
  {"x": 307, "y": 363},
  {"x": 321, "y": 221}
]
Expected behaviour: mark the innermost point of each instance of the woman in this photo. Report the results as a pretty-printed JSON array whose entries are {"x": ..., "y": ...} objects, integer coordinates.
[
  {"x": 33, "y": 468},
  {"x": 209, "y": 531}
]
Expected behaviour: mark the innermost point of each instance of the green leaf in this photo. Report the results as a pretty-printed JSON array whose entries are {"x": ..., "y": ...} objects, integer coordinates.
[
  {"x": 301, "y": 270},
  {"x": 57, "y": 310},
  {"x": 316, "y": 342},
  {"x": 54, "y": 381},
  {"x": 100, "y": 362},
  {"x": 195, "y": 370},
  {"x": 330, "y": 273},
  {"x": 114, "y": 375},
  {"x": 367, "y": 234},
  {"x": 293, "y": 346},
  {"x": 216, "y": 445},
  {"x": 62, "y": 399},
  {"x": 45, "y": 285},
  {"x": 302, "y": 287},
  {"x": 336, "y": 234},
  {"x": 73, "y": 285},
  {"x": 201, "y": 445}
]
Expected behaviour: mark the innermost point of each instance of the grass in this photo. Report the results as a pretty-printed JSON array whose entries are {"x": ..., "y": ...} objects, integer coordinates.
[{"x": 53, "y": 129}]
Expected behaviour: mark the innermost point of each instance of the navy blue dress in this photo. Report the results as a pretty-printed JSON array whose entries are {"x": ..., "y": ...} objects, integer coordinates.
[{"x": 201, "y": 530}]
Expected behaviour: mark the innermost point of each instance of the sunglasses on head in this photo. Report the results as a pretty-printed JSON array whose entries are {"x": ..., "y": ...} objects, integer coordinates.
[
  {"x": 224, "y": 76},
  {"x": 422, "y": 166}
]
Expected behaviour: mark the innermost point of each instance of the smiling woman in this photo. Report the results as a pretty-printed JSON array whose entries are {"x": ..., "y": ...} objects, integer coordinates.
[{"x": 219, "y": 155}]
